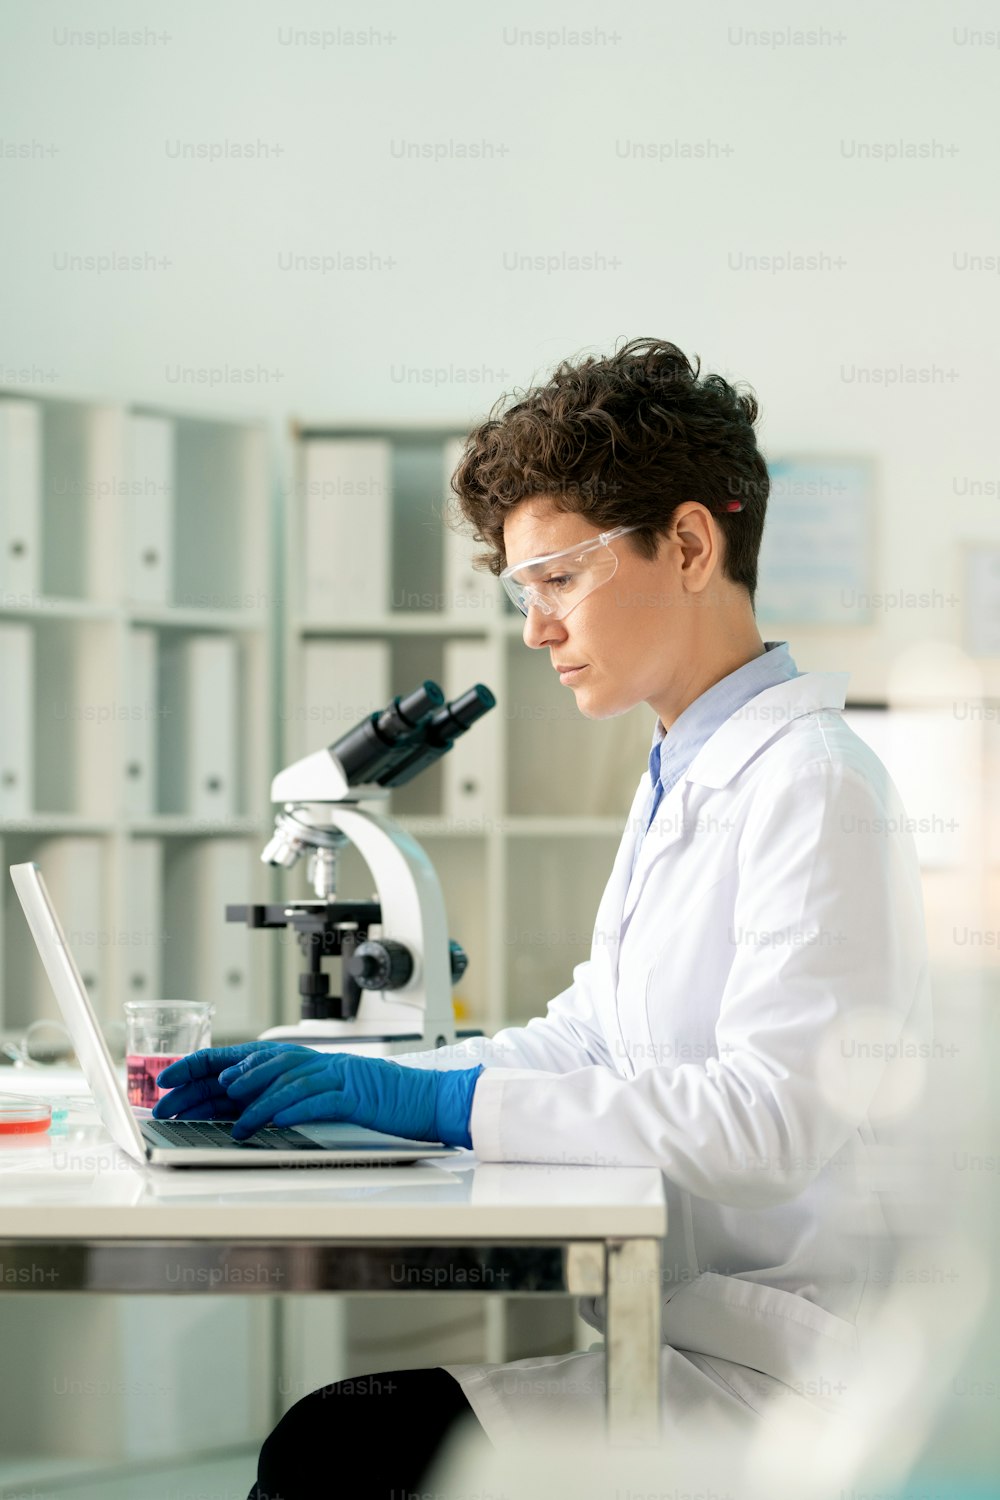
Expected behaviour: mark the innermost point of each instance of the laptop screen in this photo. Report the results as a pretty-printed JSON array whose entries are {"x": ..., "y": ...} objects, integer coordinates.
[{"x": 78, "y": 1013}]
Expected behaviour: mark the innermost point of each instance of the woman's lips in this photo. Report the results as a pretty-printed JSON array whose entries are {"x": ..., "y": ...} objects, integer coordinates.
[{"x": 571, "y": 674}]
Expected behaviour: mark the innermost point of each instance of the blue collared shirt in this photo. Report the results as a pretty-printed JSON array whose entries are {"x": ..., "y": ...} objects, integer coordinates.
[{"x": 673, "y": 752}]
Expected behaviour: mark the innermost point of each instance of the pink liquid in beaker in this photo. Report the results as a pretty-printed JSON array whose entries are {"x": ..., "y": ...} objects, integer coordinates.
[{"x": 142, "y": 1073}]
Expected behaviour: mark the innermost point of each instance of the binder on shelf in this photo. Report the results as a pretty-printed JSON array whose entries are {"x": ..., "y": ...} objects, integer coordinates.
[
  {"x": 103, "y": 462},
  {"x": 470, "y": 768},
  {"x": 468, "y": 593},
  {"x": 204, "y": 956},
  {"x": 79, "y": 733},
  {"x": 342, "y": 683},
  {"x": 149, "y": 509},
  {"x": 83, "y": 470},
  {"x": 142, "y": 968},
  {"x": 20, "y": 501},
  {"x": 347, "y": 531},
  {"x": 140, "y": 756},
  {"x": 17, "y": 721},
  {"x": 199, "y": 745}
]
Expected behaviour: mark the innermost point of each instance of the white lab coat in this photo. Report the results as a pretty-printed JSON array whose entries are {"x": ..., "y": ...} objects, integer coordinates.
[{"x": 732, "y": 1027}]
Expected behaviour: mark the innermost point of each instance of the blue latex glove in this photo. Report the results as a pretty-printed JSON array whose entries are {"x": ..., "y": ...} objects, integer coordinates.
[
  {"x": 421, "y": 1104},
  {"x": 193, "y": 1081}
]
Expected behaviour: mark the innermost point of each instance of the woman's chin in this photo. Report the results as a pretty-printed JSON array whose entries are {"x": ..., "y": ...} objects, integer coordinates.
[{"x": 594, "y": 704}]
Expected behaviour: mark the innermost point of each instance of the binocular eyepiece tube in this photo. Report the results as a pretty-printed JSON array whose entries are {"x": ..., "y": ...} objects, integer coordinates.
[{"x": 395, "y": 744}]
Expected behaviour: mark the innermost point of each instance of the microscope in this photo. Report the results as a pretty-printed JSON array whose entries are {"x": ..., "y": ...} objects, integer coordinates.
[{"x": 396, "y": 987}]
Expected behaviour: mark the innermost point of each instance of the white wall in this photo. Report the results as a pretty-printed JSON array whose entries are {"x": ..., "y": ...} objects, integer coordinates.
[{"x": 558, "y": 120}]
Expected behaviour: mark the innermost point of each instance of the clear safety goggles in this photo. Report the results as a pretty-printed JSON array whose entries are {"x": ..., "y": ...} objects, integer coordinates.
[{"x": 557, "y": 582}]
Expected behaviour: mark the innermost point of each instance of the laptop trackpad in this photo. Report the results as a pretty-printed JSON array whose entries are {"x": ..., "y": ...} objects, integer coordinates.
[{"x": 342, "y": 1136}]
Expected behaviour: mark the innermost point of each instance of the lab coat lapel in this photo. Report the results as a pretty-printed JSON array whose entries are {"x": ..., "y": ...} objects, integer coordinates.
[
  {"x": 666, "y": 829},
  {"x": 607, "y": 926}
]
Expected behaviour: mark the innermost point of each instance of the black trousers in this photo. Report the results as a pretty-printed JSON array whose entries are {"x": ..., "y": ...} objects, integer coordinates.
[{"x": 371, "y": 1438}]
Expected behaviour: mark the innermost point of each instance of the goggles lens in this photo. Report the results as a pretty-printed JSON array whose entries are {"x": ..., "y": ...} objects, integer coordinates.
[{"x": 559, "y": 581}]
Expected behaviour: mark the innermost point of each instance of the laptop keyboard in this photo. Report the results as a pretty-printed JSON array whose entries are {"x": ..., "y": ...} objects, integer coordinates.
[{"x": 215, "y": 1135}]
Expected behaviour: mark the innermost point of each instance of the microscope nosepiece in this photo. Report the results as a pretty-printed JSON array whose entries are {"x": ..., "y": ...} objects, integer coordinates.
[{"x": 283, "y": 850}]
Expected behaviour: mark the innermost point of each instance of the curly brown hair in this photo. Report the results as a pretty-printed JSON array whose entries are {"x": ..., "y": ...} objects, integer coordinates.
[{"x": 622, "y": 440}]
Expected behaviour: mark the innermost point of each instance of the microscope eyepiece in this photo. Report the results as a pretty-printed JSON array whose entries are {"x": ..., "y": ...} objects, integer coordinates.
[
  {"x": 371, "y": 747},
  {"x": 395, "y": 744},
  {"x": 407, "y": 713},
  {"x": 459, "y": 715},
  {"x": 439, "y": 734}
]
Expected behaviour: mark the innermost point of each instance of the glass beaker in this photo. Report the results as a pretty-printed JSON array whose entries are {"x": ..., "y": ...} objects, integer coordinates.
[{"x": 157, "y": 1033}]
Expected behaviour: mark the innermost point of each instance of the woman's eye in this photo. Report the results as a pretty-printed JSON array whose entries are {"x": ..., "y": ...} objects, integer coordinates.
[{"x": 559, "y": 581}]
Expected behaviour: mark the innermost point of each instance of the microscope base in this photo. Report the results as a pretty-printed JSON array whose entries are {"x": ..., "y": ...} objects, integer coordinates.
[{"x": 340, "y": 1036}]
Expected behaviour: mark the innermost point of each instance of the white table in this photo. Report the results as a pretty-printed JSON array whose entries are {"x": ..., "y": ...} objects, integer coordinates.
[{"x": 78, "y": 1215}]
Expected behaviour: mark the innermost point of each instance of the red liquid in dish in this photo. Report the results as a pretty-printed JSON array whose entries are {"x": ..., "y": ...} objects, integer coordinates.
[
  {"x": 142, "y": 1071},
  {"x": 23, "y": 1127}
]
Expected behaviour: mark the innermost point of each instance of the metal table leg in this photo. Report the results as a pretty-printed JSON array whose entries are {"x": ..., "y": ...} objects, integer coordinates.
[
  {"x": 633, "y": 1342},
  {"x": 627, "y": 1274}
]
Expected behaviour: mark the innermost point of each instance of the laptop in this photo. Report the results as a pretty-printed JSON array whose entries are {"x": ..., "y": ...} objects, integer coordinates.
[{"x": 188, "y": 1143}]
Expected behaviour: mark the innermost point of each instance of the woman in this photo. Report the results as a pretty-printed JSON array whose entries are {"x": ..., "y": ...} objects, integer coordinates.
[{"x": 758, "y": 922}]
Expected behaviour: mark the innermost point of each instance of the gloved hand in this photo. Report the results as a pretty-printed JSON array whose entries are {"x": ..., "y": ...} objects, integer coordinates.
[
  {"x": 422, "y": 1104},
  {"x": 193, "y": 1081}
]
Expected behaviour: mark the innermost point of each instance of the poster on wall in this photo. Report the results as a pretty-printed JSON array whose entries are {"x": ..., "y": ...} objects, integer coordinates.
[{"x": 817, "y": 554}]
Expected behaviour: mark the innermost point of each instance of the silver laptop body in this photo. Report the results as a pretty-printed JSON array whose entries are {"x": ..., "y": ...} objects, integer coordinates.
[{"x": 186, "y": 1143}]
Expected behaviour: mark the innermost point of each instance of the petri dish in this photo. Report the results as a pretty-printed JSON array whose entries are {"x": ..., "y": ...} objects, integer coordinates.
[{"x": 20, "y": 1115}]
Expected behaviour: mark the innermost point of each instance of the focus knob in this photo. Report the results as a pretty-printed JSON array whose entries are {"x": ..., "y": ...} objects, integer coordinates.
[
  {"x": 459, "y": 960},
  {"x": 380, "y": 965}
]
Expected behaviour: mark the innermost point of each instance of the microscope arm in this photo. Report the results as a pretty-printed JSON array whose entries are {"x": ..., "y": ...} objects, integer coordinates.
[
  {"x": 412, "y": 907},
  {"x": 318, "y": 778}
]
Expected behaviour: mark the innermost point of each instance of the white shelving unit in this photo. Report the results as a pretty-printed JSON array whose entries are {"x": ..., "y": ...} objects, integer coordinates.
[
  {"x": 130, "y": 538},
  {"x": 136, "y": 548},
  {"x": 523, "y": 866}
]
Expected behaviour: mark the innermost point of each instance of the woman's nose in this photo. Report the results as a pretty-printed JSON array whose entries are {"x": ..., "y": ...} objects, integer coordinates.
[{"x": 541, "y": 629}]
